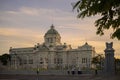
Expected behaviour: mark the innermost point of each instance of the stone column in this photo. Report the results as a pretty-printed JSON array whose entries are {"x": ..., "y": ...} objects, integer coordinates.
[
  {"x": 51, "y": 59},
  {"x": 109, "y": 65}
]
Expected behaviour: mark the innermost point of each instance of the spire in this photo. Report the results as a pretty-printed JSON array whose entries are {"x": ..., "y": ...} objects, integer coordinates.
[{"x": 52, "y": 26}]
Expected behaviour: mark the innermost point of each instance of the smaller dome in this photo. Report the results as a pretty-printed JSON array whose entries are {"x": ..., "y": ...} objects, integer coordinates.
[
  {"x": 86, "y": 45},
  {"x": 52, "y": 31}
]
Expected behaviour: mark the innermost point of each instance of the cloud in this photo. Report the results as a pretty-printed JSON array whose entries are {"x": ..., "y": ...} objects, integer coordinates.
[
  {"x": 18, "y": 32},
  {"x": 17, "y": 37},
  {"x": 35, "y": 17},
  {"x": 29, "y": 11},
  {"x": 25, "y": 11},
  {"x": 39, "y": 11},
  {"x": 29, "y": 17}
]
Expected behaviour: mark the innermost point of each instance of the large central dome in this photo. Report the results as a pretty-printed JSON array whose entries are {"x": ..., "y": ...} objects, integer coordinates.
[
  {"x": 52, "y": 37},
  {"x": 52, "y": 31}
]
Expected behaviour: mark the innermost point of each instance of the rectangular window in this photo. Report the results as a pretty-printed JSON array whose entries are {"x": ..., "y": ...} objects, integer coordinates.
[
  {"x": 20, "y": 62},
  {"x": 55, "y": 61},
  {"x": 41, "y": 60},
  {"x": 31, "y": 61},
  {"x": 25, "y": 61},
  {"x": 58, "y": 61},
  {"x": 84, "y": 60},
  {"x": 61, "y": 61},
  {"x": 51, "y": 40}
]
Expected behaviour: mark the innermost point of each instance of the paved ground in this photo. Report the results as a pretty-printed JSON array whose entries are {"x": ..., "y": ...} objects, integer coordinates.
[{"x": 57, "y": 77}]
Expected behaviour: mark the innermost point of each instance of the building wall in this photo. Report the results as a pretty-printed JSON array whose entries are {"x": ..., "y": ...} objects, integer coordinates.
[{"x": 78, "y": 58}]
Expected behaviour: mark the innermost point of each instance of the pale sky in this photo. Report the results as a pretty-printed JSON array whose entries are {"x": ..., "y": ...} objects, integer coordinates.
[{"x": 23, "y": 23}]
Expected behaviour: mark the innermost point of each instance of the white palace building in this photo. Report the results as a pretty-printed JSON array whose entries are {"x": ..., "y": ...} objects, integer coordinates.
[{"x": 52, "y": 54}]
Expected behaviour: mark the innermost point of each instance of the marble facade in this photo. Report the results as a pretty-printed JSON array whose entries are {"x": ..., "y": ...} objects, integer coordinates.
[{"x": 52, "y": 54}]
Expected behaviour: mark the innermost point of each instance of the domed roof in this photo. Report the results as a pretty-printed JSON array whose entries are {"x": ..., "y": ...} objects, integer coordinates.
[{"x": 52, "y": 31}]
